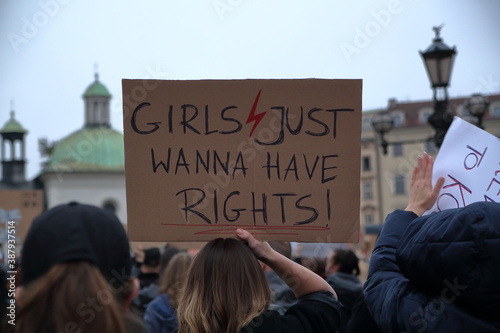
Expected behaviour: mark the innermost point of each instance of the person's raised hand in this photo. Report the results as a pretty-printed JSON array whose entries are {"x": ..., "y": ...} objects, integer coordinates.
[
  {"x": 422, "y": 194},
  {"x": 260, "y": 249}
]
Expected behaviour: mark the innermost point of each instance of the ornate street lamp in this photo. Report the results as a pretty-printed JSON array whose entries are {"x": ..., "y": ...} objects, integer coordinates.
[
  {"x": 438, "y": 59},
  {"x": 477, "y": 105},
  {"x": 382, "y": 123}
]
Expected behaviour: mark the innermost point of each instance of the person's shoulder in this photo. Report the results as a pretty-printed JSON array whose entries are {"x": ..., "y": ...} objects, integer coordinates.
[
  {"x": 267, "y": 321},
  {"x": 133, "y": 323},
  {"x": 315, "y": 312},
  {"x": 160, "y": 304},
  {"x": 320, "y": 298},
  {"x": 294, "y": 320}
]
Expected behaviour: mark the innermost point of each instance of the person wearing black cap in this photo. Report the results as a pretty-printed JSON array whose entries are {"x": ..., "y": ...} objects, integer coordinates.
[
  {"x": 75, "y": 273},
  {"x": 150, "y": 267},
  {"x": 148, "y": 279}
]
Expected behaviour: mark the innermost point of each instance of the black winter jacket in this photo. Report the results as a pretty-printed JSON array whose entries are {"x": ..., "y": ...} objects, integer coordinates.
[{"x": 437, "y": 273}]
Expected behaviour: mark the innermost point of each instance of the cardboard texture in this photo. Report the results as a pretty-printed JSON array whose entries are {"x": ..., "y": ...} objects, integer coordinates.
[
  {"x": 21, "y": 206},
  {"x": 279, "y": 158}
]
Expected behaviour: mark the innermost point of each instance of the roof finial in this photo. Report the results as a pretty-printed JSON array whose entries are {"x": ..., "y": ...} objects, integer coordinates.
[
  {"x": 12, "y": 108},
  {"x": 437, "y": 31},
  {"x": 96, "y": 70}
]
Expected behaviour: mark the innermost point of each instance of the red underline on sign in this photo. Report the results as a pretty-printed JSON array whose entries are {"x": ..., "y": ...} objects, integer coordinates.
[
  {"x": 231, "y": 232},
  {"x": 250, "y": 227}
]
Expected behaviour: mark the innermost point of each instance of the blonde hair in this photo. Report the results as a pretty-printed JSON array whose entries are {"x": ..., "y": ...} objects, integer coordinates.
[
  {"x": 174, "y": 277},
  {"x": 225, "y": 289},
  {"x": 59, "y": 300}
]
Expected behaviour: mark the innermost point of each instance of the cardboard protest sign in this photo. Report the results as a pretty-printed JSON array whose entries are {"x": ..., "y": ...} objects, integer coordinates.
[
  {"x": 280, "y": 158},
  {"x": 21, "y": 206},
  {"x": 469, "y": 160}
]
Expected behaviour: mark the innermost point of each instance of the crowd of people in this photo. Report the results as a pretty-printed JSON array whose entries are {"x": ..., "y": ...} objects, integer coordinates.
[{"x": 432, "y": 273}]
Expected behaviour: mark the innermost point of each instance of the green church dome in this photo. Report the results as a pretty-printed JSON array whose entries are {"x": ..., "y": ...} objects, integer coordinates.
[
  {"x": 91, "y": 149},
  {"x": 12, "y": 126},
  {"x": 96, "y": 88}
]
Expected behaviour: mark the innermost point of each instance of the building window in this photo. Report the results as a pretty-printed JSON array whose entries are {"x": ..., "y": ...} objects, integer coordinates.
[
  {"x": 399, "y": 184},
  {"x": 18, "y": 150},
  {"x": 110, "y": 206},
  {"x": 366, "y": 124},
  {"x": 367, "y": 190},
  {"x": 424, "y": 114},
  {"x": 96, "y": 112},
  {"x": 495, "y": 112},
  {"x": 397, "y": 149},
  {"x": 366, "y": 163},
  {"x": 461, "y": 110},
  {"x": 369, "y": 219},
  {"x": 430, "y": 147},
  {"x": 398, "y": 118}
]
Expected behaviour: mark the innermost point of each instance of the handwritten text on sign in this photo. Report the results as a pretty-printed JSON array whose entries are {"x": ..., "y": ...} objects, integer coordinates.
[
  {"x": 469, "y": 160},
  {"x": 277, "y": 157}
]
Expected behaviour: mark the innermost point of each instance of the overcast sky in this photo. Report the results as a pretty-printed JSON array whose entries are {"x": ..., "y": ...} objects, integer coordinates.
[{"x": 48, "y": 49}]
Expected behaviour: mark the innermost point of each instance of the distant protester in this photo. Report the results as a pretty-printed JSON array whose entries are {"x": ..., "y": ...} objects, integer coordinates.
[
  {"x": 315, "y": 264},
  {"x": 282, "y": 296},
  {"x": 160, "y": 315},
  {"x": 76, "y": 273},
  {"x": 150, "y": 267},
  {"x": 168, "y": 253},
  {"x": 342, "y": 269},
  {"x": 149, "y": 273}
]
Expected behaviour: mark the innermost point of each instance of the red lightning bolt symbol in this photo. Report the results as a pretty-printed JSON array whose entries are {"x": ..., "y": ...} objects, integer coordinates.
[{"x": 255, "y": 117}]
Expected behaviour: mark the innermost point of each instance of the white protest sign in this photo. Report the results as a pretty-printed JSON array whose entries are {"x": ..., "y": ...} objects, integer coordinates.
[{"x": 469, "y": 161}]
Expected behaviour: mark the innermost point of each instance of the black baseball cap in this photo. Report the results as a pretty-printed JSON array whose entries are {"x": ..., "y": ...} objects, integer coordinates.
[
  {"x": 152, "y": 257},
  {"x": 76, "y": 232}
]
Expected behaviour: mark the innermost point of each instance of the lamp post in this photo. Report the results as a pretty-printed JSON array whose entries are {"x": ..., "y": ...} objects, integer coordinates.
[
  {"x": 438, "y": 60},
  {"x": 382, "y": 123},
  {"x": 477, "y": 105}
]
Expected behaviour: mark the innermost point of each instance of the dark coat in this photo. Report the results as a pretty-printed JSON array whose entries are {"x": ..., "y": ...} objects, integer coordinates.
[
  {"x": 437, "y": 273},
  {"x": 160, "y": 317},
  {"x": 348, "y": 289},
  {"x": 317, "y": 312}
]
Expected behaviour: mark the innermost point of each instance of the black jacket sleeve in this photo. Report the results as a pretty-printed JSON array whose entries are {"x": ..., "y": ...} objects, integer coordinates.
[{"x": 396, "y": 305}]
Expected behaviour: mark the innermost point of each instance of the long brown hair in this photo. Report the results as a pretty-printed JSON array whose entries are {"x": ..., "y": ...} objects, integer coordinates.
[
  {"x": 225, "y": 289},
  {"x": 174, "y": 277},
  {"x": 70, "y": 296}
]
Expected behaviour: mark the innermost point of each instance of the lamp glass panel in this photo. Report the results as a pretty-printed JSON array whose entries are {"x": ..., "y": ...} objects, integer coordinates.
[
  {"x": 445, "y": 64},
  {"x": 431, "y": 64}
]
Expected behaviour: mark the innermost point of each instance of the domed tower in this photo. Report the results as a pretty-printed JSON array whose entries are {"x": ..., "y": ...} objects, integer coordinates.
[
  {"x": 88, "y": 165},
  {"x": 13, "y": 153},
  {"x": 96, "y": 98},
  {"x": 96, "y": 147}
]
